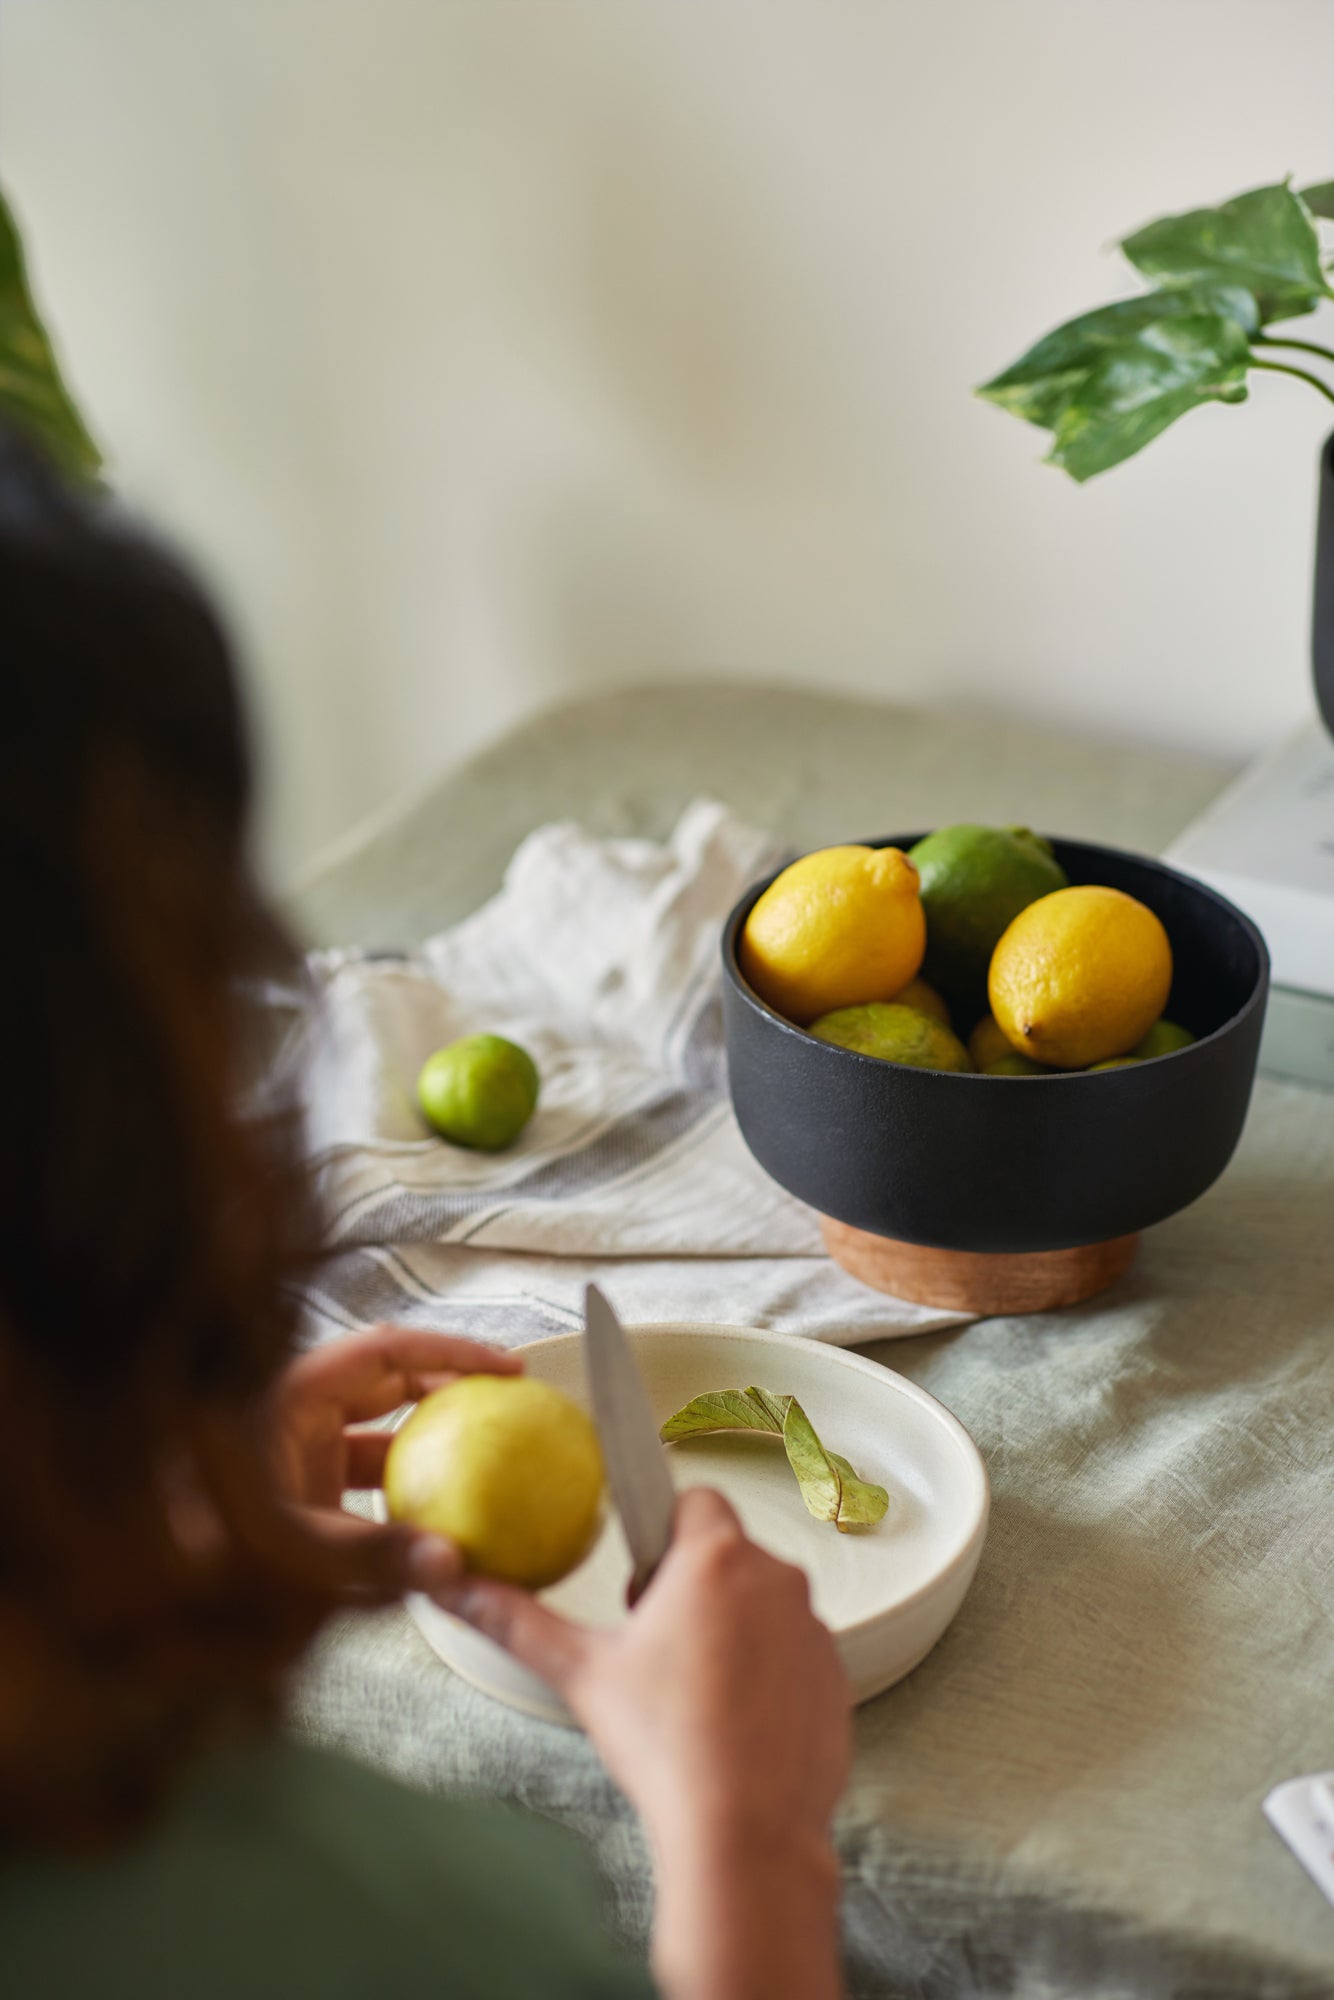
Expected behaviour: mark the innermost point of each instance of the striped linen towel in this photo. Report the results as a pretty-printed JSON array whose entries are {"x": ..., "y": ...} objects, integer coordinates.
[{"x": 601, "y": 957}]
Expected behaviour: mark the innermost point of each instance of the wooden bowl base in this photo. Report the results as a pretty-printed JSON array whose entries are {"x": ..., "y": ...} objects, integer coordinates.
[{"x": 982, "y": 1282}]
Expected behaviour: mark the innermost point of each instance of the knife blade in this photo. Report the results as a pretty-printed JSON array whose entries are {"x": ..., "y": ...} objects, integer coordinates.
[{"x": 636, "y": 1463}]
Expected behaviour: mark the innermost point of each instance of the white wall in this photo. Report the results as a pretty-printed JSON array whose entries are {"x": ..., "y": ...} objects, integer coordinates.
[{"x": 494, "y": 350}]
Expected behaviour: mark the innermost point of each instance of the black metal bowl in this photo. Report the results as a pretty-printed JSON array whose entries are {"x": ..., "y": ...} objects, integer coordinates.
[{"x": 1000, "y": 1163}]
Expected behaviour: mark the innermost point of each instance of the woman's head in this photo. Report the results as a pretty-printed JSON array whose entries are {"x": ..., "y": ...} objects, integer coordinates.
[{"x": 149, "y": 1232}]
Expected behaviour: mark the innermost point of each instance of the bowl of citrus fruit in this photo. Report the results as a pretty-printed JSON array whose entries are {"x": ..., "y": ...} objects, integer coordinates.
[{"x": 989, "y": 1059}]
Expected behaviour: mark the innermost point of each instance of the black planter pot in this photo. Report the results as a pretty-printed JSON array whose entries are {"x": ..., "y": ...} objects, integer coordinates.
[{"x": 1322, "y": 623}]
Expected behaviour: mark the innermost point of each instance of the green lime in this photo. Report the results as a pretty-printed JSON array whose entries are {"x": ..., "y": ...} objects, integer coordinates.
[
  {"x": 974, "y": 882},
  {"x": 479, "y": 1092},
  {"x": 1163, "y": 1039},
  {"x": 895, "y": 1034},
  {"x": 1015, "y": 1065},
  {"x": 1117, "y": 1062}
]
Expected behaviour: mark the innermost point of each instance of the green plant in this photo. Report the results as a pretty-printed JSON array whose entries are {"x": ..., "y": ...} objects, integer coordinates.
[
  {"x": 1106, "y": 383},
  {"x": 32, "y": 392}
]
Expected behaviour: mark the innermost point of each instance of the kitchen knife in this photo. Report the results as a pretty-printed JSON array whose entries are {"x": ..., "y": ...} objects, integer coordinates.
[{"x": 632, "y": 1451}]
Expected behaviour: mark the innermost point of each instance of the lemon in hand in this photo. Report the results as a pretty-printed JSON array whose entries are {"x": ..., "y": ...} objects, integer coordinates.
[
  {"x": 505, "y": 1467},
  {"x": 894, "y": 1034},
  {"x": 479, "y": 1092},
  {"x": 1079, "y": 976},
  {"x": 835, "y": 929}
]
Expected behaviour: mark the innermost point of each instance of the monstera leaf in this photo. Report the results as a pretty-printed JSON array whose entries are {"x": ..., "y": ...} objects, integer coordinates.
[
  {"x": 32, "y": 393},
  {"x": 1104, "y": 384},
  {"x": 1264, "y": 241}
]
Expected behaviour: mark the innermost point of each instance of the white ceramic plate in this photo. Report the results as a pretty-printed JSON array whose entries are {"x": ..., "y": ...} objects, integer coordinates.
[{"x": 887, "y": 1594}]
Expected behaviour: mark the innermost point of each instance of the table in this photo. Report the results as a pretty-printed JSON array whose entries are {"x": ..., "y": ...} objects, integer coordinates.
[{"x": 1065, "y": 1797}]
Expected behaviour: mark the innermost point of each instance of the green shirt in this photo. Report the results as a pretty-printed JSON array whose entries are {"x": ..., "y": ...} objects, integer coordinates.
[{"x": 286, "y": 1871}]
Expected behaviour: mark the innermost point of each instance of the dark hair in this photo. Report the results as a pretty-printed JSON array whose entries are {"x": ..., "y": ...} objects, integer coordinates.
[{"x": 149, "y": 1228}]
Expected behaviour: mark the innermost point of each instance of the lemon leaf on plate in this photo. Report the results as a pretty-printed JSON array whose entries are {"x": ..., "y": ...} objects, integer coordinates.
[
  {"x": 728, "y": 1410},
  {"x": 829, "y": 1486},
  {"x": 817, "y": 1475},
  {"x": 862, "y": 1503}
]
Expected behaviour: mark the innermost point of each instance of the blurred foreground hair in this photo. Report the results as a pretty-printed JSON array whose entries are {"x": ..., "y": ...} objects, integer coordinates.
[{"x": 152, "y": 1590}]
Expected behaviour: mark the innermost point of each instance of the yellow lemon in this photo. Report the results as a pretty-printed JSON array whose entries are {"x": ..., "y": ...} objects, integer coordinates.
[
  {"x": 993, "y": 1055},
  {"x": 1079, "y": 976},
  {"x": 507, "y": 1468},
  {"x": 836, "y": 929},
  {"x": 988, "y": 1042},
  {"x": 925, "y": 1000}
]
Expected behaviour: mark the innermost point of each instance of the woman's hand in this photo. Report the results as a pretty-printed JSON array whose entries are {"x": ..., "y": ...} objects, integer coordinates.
[
  {"x": 325, "y": 1444},
  {"x": 721, "y": 1708}
]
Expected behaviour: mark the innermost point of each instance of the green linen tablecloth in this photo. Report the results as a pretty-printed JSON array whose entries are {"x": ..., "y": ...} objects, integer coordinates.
[{"x": 1064, "y": 1799}]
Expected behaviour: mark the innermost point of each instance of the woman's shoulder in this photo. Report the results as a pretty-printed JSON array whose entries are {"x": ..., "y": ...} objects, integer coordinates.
[{"x": 282, "y": 1868}]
